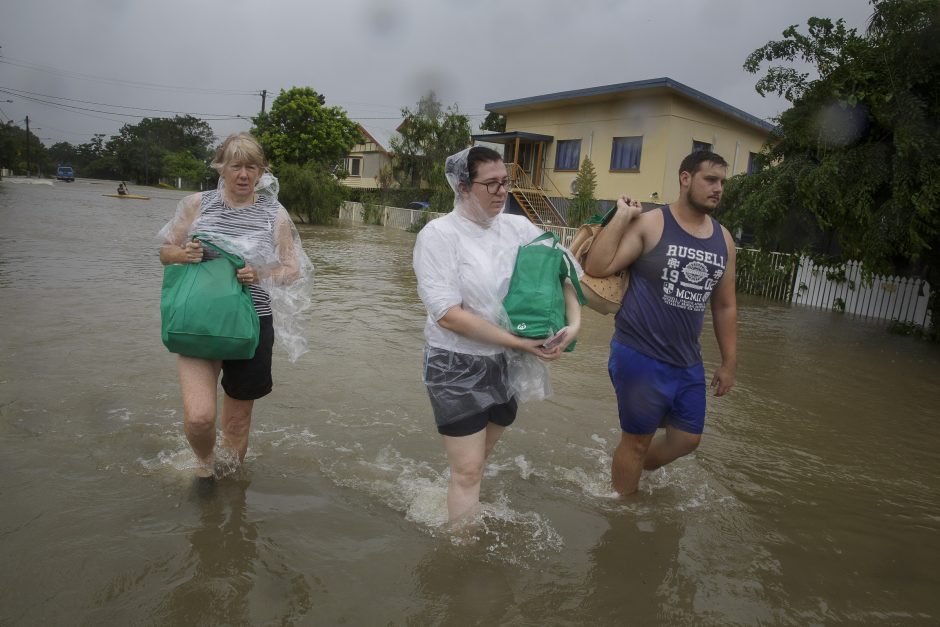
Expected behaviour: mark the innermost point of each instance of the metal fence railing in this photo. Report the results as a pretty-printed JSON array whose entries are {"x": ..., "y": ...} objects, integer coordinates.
[
  {"x": 564, "y": 233},
  {"x": 766, "y": 274}
]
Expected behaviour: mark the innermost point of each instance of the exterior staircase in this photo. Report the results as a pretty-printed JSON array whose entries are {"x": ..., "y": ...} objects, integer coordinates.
[{"x": 533, "y": 200}]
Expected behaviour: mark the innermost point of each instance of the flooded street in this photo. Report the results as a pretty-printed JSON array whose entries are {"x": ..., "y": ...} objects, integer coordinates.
[{"x": 813, "y": 499}]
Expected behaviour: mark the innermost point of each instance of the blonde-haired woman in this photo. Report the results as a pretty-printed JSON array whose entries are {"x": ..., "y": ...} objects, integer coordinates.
[{"x": 243, "y": 216}]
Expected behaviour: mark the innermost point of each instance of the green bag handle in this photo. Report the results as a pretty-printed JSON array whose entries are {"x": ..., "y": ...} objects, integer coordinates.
[
  {"x": 237, "y": 261},
  {"x": 566, "y": 260},
  {"x": 574, "y": 279},
  {"x": 544, "y": 236}
]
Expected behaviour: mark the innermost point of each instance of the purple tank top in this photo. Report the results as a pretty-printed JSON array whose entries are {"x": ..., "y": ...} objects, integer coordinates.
[{"x": 664, "y": 307}]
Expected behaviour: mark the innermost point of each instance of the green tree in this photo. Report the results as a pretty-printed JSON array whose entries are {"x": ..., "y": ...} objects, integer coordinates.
[
  {"x": 96, "y": 160},
  {"x": 9, "y": 146},
  {"x": 306, "y": 142},
  {"x": 300, "y": 129},
  {"x": 427, "y": 136},
  {"x": 494, "y": 122},
  {"x": 138, "y": 150},
  {"x": 14, "y": 151},
  {"x": 583, "y": 205},
  {"x": 855, "y": 156},
  {"x": 183, "y": 165},
  {"x": 64, "y": 153},
  {"x": 385, "y": 180},
  {"x": 310, "y": 193}
]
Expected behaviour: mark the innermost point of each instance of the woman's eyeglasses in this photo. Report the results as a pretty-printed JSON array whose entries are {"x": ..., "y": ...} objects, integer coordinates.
[{"x": 493, "y": 186}]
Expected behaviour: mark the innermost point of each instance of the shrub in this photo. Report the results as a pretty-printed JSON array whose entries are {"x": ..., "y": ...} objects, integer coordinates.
[
  {"x": 310, "y": 193},
  {"x": 372, "y": 214},
  {"x": 418, "y": 224},
  {"x": 442, "y": 201},
  {"x": 583, "y": 205}
]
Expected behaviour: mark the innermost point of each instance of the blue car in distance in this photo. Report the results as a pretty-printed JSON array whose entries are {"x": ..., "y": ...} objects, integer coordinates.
[{"x": 65, "y": 173}]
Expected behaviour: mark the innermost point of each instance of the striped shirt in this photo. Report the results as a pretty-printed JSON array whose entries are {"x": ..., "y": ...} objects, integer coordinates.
[{"x": 252, "y": 226}]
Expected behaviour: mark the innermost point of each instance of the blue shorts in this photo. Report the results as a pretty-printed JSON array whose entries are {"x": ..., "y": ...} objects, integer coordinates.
[{"x": 653, "y": 394}]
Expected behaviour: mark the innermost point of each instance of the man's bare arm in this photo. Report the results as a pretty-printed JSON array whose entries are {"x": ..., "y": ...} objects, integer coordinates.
[
  {"x": 619, "y": 243},
  {"x": 725, "y": 322}
]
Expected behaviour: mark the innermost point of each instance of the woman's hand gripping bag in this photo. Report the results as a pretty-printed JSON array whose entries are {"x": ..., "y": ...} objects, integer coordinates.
[{"x": 205, "y": 312}]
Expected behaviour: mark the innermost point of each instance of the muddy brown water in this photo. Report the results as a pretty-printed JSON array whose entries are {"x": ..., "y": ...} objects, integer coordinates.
[{"x": 814, "y": 498}]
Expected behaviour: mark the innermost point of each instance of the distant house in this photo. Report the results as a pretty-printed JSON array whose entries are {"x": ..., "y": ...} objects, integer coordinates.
[
  {"x": 635, "y": 133},
  {"x": 366, "y": 159}
]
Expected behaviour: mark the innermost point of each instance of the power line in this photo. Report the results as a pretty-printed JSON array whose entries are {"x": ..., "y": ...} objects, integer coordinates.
[
  {"x": 121, "y": 82},
  {"x": 20, "y": 92},
  {"x": 80, "y": 110}
]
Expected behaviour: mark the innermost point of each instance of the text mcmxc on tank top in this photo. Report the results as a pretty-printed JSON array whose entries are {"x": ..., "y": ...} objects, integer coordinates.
[{"x": 664, "y": 308}]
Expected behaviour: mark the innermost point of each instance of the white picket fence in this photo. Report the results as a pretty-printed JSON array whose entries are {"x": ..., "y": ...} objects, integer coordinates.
[
  {"x": 394, "y": 217},
  {"x": 843, "y": 289}
]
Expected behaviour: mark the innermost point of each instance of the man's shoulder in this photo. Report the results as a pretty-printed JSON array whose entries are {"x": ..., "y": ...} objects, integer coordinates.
[
  {"x": 650, "y": 223},
  {"x": 728, "y": 237},
  {"x": 723, "y": 228},
  {"x": 655, "y": 214}
]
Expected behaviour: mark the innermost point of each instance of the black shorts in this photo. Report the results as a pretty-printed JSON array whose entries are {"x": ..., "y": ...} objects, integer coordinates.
[
  {"x": 250, "y": 379},
  {"x": 502, "y": 415},
  {"x": 463, "y": 386}
]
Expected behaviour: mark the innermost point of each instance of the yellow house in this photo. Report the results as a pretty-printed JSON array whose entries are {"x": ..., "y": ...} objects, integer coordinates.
[
  {"x": 636, "y": 134},
  {"x": 366, "y": 159}
]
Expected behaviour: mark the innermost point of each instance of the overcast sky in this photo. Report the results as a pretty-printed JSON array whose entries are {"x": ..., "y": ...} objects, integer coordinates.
[{"x": 213, "y": 58}]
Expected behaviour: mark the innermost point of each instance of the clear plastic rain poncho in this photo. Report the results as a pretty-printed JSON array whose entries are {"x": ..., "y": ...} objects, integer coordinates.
[
  {"x": 467, "y": 259},
  {"x": 271, "y": 246}
]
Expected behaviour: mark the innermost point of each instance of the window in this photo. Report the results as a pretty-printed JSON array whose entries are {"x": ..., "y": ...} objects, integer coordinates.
[
  {"x": 752, "y": 163},
  {"x": 568, "y": 154},
  {"x": 700, "y": 146},
  {"x": 625, "y": 154},
  {"x": 354, "y": 166}
]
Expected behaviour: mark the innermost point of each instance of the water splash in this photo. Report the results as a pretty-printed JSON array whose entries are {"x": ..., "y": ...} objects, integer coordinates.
[{"x": 418, "y": 490}]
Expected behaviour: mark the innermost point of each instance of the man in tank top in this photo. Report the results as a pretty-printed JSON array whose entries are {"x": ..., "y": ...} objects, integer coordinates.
[{"x": 680, "y": 258}]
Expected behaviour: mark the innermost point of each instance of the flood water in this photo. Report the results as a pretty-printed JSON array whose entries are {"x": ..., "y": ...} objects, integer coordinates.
[{"x": 814, "y": 498}]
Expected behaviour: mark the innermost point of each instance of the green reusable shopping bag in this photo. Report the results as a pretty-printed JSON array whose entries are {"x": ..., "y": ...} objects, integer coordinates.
[
  {"x": 535, "y": 301},
  {"x": 205, "y": 312}
]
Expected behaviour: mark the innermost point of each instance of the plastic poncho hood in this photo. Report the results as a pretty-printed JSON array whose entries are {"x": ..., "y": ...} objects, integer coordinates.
[{"x": 457, "y": 172}]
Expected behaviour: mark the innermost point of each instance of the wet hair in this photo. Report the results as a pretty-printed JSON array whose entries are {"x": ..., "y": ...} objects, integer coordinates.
[
  {"x": 461, "y": 168},
  {"x": 694, "y": 161},
  {"x": 478, "y": 155},
  {"x": 241, "y": 147}
]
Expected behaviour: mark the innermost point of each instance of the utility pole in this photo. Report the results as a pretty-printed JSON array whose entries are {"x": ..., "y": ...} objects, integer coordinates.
[
  {"x": 264, "y": 94},
  {"x": 27, "y": 147}
]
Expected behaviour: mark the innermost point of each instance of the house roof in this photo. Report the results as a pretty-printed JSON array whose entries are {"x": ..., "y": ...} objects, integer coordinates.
[
  {"x": 510, "y": 136},
  {"x": 610, "y": 92},
  {"x": 382, "y": 137}
]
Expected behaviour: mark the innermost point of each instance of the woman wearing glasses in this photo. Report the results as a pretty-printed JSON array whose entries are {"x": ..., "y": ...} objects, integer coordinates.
[{"x": 463, "y": 262}]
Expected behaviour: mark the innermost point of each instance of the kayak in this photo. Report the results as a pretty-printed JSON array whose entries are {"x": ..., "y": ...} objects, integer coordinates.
[{"x": 132, "y": 196}]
